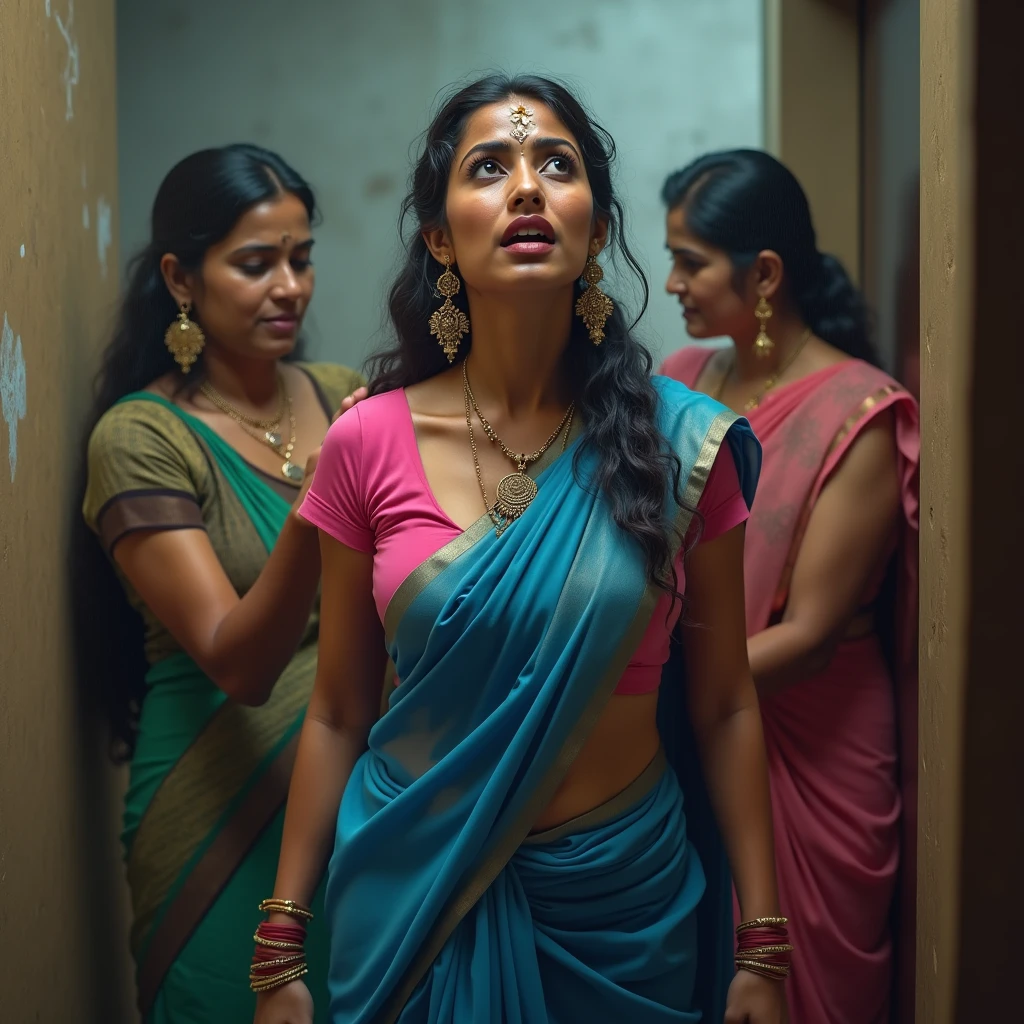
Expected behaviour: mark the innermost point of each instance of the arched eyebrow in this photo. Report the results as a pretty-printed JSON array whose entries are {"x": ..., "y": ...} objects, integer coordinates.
[
  {"x": 260, "y": 248},
  {"x": 504, "y": 146}
]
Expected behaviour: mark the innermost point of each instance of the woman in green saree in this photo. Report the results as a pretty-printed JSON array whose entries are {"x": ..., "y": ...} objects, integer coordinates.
[
  {"x": 206, "y": 433},
  {"x": 506, "y": 518}
]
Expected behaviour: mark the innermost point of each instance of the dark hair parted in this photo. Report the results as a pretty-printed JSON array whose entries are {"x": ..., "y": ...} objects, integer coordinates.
[
  {"x": 197, "y": 205},
  {"x": 613, "y": 389},
  {"x": 744, "y": 201}
]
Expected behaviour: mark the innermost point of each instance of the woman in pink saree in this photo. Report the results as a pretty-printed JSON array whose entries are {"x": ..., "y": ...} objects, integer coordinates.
[{"x": 830, "y": 567}]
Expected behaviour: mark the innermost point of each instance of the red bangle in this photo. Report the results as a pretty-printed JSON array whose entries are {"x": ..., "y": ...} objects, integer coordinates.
[
  {"x": 281, "y": 932},
  {"x": 764, "y": 948},
  {"x": 762, "y": 937},
  {"x": 266, "y": 953},
  {"x": 279, "y": 956}
]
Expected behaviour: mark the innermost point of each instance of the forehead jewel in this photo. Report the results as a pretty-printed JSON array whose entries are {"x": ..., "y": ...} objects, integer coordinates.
[{"x": 522, "y": 121}]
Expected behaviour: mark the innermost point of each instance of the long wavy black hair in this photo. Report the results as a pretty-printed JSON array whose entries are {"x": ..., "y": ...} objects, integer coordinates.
[
  {"x": 197, "y": 205},
  {"x": 744, "y": 201},
  {"x": 613, "y": 390}
]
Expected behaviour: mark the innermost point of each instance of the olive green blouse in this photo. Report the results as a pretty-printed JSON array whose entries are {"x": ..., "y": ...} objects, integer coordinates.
[{"x": 148, "y": 471}]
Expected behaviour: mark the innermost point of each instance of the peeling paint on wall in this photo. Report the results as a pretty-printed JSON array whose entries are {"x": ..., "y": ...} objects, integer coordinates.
[
  {"x": 71, "y": 68},
  {"x": 13, "y": 390},
  {"x": 103, "y": 232}
]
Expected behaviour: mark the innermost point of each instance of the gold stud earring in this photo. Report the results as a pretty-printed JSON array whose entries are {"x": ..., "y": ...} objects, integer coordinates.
[
  {"x": 593, "y": 307},
  {"x": 185, "y": 339},
  {"x": 448, "y": 324},
  {"x": 763, "y": 345}
]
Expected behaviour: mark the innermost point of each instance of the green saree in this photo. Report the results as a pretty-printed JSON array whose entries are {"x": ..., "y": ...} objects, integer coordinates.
[{"x": 204, "y": 807}]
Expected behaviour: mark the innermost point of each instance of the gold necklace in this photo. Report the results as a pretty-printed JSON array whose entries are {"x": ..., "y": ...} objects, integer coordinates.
[
  {"x": 240, "y": 417},
  {"x": 755, "y": 401},
  {"x": 267, "y": 431},
  {"x": 517, "y": 490}
]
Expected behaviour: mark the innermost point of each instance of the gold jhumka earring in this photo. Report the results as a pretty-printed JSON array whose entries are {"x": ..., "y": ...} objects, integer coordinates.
[
  {"x": 448, "y": 324},
  {"x": 763, "y": 345},
  {"x": 593, "y": 307},
  {"x": 184, "y": 339}
]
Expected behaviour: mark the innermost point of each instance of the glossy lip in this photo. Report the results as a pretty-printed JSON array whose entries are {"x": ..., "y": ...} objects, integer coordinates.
[
  {"x": 282, "y": 324},
  {"x": 534, "y": 222}
]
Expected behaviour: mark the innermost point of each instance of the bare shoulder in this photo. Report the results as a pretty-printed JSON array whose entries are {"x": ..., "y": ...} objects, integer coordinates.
[
  {"x": 871, "y": 453},
  {"x": 437, "y": 396},
  {"x": 819, "y": 355},
  {"x": 168, "y": 386}
]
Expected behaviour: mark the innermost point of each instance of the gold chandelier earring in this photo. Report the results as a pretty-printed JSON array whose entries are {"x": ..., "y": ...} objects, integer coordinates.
[
  {"x": 448, "y": 324},
  {"x": 185, "y": 339},
  {"x": 593, "y": 307},
  {"x": 763, "y": 345}
]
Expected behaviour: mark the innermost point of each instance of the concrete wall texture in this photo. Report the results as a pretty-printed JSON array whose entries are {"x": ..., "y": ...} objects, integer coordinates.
[
  {"x": 343, "y": 90},
  {"x": 61, "y": 904}
]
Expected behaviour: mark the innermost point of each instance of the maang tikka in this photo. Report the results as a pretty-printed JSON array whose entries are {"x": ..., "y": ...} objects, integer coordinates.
[
  {"x": 522, "y": 122},
  {"x": 448, "y": 324}
]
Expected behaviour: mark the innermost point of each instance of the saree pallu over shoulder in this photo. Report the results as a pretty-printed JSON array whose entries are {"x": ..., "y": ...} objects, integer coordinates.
[
  {"x": 508, "y": 650},
  {"x": 806, "y": 429},
  {"x": 208, "y": 784}
]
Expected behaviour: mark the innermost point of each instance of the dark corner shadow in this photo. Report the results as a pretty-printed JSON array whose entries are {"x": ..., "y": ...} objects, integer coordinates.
[{"x": 93, "y": 596}]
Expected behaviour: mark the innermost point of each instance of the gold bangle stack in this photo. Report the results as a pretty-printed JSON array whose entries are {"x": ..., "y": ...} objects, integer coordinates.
[
  {"x": 764, "y": 960},
  {"x": 260, "y": 984},
  {"x": 290, "y": 965},
  {"x": 288, "y": 962},
  {"x": 762, "y": 922},
  {"x": 289, "y": 907},
  {"x": 774, "y": 971}
]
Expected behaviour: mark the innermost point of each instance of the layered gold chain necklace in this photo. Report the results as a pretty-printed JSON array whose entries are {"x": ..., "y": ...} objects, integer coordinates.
[
  {"x": 772, "y": 381},
  {"x": 516, "y": 490},
  {"x": 266, "y": 431}
]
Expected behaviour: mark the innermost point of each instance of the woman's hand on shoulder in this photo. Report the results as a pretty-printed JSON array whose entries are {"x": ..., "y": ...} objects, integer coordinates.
[
  {"x": 754, "y": 1000},
  {"x": 311, "y": 462},
  {"x": 354, "y": 399},
  {"x": 289, "y": 1004}
]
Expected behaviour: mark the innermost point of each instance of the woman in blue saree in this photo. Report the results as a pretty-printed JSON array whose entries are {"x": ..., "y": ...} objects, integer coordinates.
[{"x": 504, "y": 522}]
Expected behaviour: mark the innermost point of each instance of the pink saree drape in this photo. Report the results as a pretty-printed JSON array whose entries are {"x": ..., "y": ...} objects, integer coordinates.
[{"x": 842, "y": 747}]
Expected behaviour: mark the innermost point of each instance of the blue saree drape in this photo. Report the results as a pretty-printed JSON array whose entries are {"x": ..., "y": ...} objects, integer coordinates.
[{"x": 508, "y": 650}]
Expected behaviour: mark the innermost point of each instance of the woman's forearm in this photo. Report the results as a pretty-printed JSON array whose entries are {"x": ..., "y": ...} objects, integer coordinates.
[
  {"x": 736, "y": 772},
  {"x": 256, "y": 639},
  {"x": 323, "y": 765},
  {"x": 784, "y": 655}
]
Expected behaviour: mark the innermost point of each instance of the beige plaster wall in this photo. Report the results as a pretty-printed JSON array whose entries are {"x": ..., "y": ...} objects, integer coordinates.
[
  {"x": 61, "y": 908},
  {"x": 947, "y": 309},
  {"x": 812, "y": 112}
]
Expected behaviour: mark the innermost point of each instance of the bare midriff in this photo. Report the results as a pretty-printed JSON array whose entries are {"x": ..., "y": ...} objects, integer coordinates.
[{"x": 621, "y": 745}]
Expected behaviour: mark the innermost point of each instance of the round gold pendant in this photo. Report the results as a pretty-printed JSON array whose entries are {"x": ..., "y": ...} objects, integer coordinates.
[
  {"x": 514, "y": 494},
  {"x": 293, "y": 472}
]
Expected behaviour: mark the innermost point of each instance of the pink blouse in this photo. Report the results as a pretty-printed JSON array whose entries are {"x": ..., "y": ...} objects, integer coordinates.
[{"x": 371, "y": 494}]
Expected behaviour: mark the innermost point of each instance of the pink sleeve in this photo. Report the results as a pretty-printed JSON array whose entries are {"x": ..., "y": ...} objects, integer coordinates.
[
  {"x": 336, "y": 501},
  {"x": 722, "y": 504}
]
